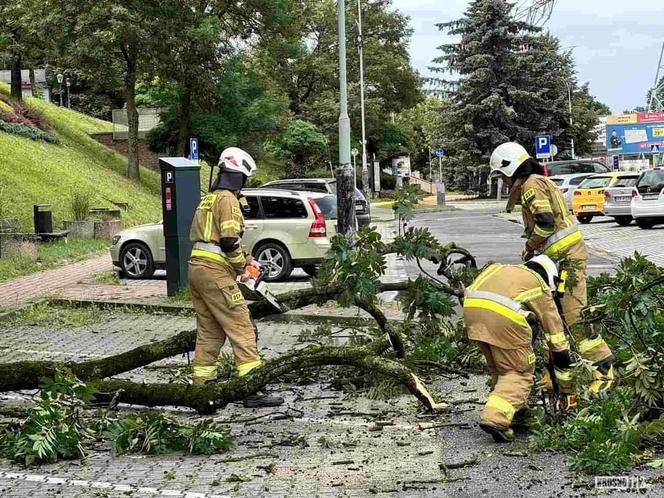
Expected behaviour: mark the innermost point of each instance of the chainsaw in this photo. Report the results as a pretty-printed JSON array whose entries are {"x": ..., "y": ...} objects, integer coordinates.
[{"x": 255, "y": 289}]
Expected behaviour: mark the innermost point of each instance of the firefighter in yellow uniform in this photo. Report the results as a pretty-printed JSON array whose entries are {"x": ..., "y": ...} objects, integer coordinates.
[
  {"x": 550, "y": 230},
  {"x": 499, "y": 309},
  {"x": 218, "y": 260}
]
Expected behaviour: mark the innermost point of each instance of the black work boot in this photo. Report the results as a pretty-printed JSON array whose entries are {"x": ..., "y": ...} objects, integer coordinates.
[
  {"x": 499, "y": 435},
  {"x": 262, "y": 400}
]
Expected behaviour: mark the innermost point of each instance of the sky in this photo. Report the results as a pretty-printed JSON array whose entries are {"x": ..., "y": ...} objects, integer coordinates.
[{"x": 616, "y": 43}]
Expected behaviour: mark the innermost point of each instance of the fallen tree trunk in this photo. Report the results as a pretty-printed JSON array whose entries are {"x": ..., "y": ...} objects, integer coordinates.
[
  {"x": 208, "y": 398},
  {"x": 27, "y": 374}
]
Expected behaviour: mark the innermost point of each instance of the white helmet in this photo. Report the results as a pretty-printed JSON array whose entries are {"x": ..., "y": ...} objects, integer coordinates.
[
  {"x": 237, "y": 160},
  {"x": 549, "y": 268},
  {"x": 507, "y": 158}
]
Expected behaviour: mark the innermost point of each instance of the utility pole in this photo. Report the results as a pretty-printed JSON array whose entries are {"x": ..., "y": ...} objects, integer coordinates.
[
  {"x": 360, "y": 46},
  {"x": 571, "y": 116},
  {"x": 345, "y": 189}
]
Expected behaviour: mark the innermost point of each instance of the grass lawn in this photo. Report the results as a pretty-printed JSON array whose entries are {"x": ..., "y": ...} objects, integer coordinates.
[
  {"x": 51, "y": 255},
  {"x": 34, "y": 171}
]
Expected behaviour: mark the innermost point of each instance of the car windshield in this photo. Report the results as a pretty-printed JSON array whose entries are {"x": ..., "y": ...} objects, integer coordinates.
[
  {"x": 654, "y": 178},
  {"x": 558, "y": 181},
  {"x": 626, "y": 181},
  {"x": 575, "y": 167},
  {"x": 598, "y": 182},
  {"x": 328, "y": 206}
]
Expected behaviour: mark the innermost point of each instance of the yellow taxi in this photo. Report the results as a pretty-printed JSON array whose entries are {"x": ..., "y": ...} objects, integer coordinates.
[{"x": 588, "y": 199}]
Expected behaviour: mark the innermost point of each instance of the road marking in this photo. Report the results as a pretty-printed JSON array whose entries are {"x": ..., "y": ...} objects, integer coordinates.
[{"x": 36, "y": 478}]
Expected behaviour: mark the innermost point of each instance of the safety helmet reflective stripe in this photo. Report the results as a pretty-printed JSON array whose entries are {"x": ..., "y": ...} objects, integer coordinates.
[
  {"x": 237, "y": 160},
  {"x": 507, "y": 158}
]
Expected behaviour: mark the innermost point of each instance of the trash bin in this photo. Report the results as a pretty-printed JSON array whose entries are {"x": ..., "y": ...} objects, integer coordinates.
[{"x": 43, "y": 218}]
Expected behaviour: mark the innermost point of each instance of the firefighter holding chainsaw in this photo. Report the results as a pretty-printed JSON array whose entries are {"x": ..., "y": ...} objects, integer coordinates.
[
  {"x": 218, "y": 260},
  {"x": 551, "y": 231},
  {"x": 501, "y": 309}
]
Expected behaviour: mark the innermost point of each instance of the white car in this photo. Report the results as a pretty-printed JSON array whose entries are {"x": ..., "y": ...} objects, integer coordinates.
[
  {"x": 647, "y": 205},
  {"x": 567, "y": 184},
  {"x": 283, "y": 230},
  {"x": 618, "y": 197}
]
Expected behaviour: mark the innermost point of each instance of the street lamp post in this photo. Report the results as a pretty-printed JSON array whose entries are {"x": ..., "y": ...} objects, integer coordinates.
[
  {"x": 360, "y": 47},
  {"x": 60, "y": 78},
  {"x": 571, "y": 116},
  {"x": 345, "y": 200},
  {"x": 68, "y": 84},
  {"x": 354, "y": 153}
]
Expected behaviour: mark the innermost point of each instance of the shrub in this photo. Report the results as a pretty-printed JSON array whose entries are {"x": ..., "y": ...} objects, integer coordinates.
[
  {"x": 80, "y": 205},
  {"x": 31, "y": 132}
]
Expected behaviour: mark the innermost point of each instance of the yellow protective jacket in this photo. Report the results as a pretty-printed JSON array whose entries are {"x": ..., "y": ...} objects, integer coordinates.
[
  {"x": 549, "y": 227},
  {"x": 219, "y": 218},
  {"x": 501, "y": 302}
]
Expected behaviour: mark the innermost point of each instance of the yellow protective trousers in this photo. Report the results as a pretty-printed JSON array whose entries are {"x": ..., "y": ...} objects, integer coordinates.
[
  {"x": 512, "y": 374},
  {"x": 221, "y": 312}
]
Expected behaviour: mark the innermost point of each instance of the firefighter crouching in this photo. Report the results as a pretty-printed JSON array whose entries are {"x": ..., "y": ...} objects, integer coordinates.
[
  {"x": 218, "y": 259},
  {"x": 550, "y": 230},
  {"x": 498, "y": 309}
]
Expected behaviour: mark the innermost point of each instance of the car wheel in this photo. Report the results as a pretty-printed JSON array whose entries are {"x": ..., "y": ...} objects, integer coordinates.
[
  {"x": 623, "y": 221},
  {"x": 275, "y": 259},
  {"x": 644, "y": 223},
  {"x": 136, "y": 261},
  {"x": 584, "y": 220},
  {"x": 310, "y": 270}
]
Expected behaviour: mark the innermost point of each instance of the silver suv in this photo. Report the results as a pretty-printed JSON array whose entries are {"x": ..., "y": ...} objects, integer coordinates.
[
  {"x": 327, "y": 185},
  {"x": 283, "y": 230}
]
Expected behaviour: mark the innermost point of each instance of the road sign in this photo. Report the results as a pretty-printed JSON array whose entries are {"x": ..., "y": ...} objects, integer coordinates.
[
  {"x": 654, "y": 148},
  {"x": 355, "y": 152},
  {"x": 616, "y": 163},
  {"x": 543, "y": 146},
  {"x": 440, "y": 152},
  {"x": 193, "y": 148}
]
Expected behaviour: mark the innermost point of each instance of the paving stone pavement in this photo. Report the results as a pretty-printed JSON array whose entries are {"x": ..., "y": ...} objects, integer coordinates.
[
  {"x": 609, "y": 239},
  {"x": 17, "y": 290}
]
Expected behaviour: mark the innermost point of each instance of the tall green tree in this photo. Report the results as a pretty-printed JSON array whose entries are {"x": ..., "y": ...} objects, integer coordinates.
[
  {"x": 303, "y": 62},
  {"x": 507, "y": 82},
  {"x": 483, "y": 113}
]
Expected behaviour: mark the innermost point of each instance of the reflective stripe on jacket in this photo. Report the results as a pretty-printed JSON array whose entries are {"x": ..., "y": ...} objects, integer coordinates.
[{"x": 502, "y": 300}]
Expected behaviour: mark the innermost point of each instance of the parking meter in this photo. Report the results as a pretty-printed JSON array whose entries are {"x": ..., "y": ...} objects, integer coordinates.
[{"x": 180, "y": 196}]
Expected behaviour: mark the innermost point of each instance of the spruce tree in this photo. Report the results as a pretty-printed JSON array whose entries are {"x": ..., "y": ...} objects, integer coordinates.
[{"x": 489, "y": 88}]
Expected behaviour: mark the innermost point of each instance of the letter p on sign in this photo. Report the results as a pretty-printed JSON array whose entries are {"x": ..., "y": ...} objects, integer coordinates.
[{"x": 543, "y": 146}]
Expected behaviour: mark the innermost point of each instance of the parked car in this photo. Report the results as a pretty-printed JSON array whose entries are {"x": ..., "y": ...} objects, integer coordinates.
[
  {"x": 283, "y": 230},
  {"x": 327, "y": 185},
  {"x": 618, "y": 196},
  {"x": 588, "y": 199},
  {"x": 567, "y": 184},
  {"x": 558, "y": 168},
  {"x": 647, "y": 204}
]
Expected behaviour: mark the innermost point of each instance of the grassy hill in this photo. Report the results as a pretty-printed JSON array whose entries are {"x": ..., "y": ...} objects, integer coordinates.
[{"x": 36, "y": 172}]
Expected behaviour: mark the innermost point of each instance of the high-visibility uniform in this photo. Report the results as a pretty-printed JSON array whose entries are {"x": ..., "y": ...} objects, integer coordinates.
[
  {"x": 561, "y": 240},
  {"x": 220, "y": 307},
  {"x": 497, "y": 309}
]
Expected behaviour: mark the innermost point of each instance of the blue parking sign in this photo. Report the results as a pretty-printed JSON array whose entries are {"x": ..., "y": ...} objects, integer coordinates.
[
  {"x": 193, "y": 148},
  {"x": 543, "y": 146}
]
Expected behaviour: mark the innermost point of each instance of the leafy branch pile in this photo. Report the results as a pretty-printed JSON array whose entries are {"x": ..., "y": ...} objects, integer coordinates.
[
  {"x": 614, "y": 434},
  {"x": 55, "y": 428}
]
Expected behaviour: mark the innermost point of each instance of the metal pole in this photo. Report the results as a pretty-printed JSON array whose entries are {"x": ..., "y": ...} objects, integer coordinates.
[
  {"x": 360, "y": 44},
  {"x": 440, "y": 169},
  {"x": 345, "y": 192},
  {"x": 571, "y": 116},
  {"x": 354, "y": 169},
  {"x": 61, "y": 89}
]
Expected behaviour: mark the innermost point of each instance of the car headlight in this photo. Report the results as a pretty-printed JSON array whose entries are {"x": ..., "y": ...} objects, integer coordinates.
[{"x": 115, "y": 239}]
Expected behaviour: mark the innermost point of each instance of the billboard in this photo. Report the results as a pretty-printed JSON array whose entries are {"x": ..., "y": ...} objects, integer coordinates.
[{"x": 635, "y": 133}]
